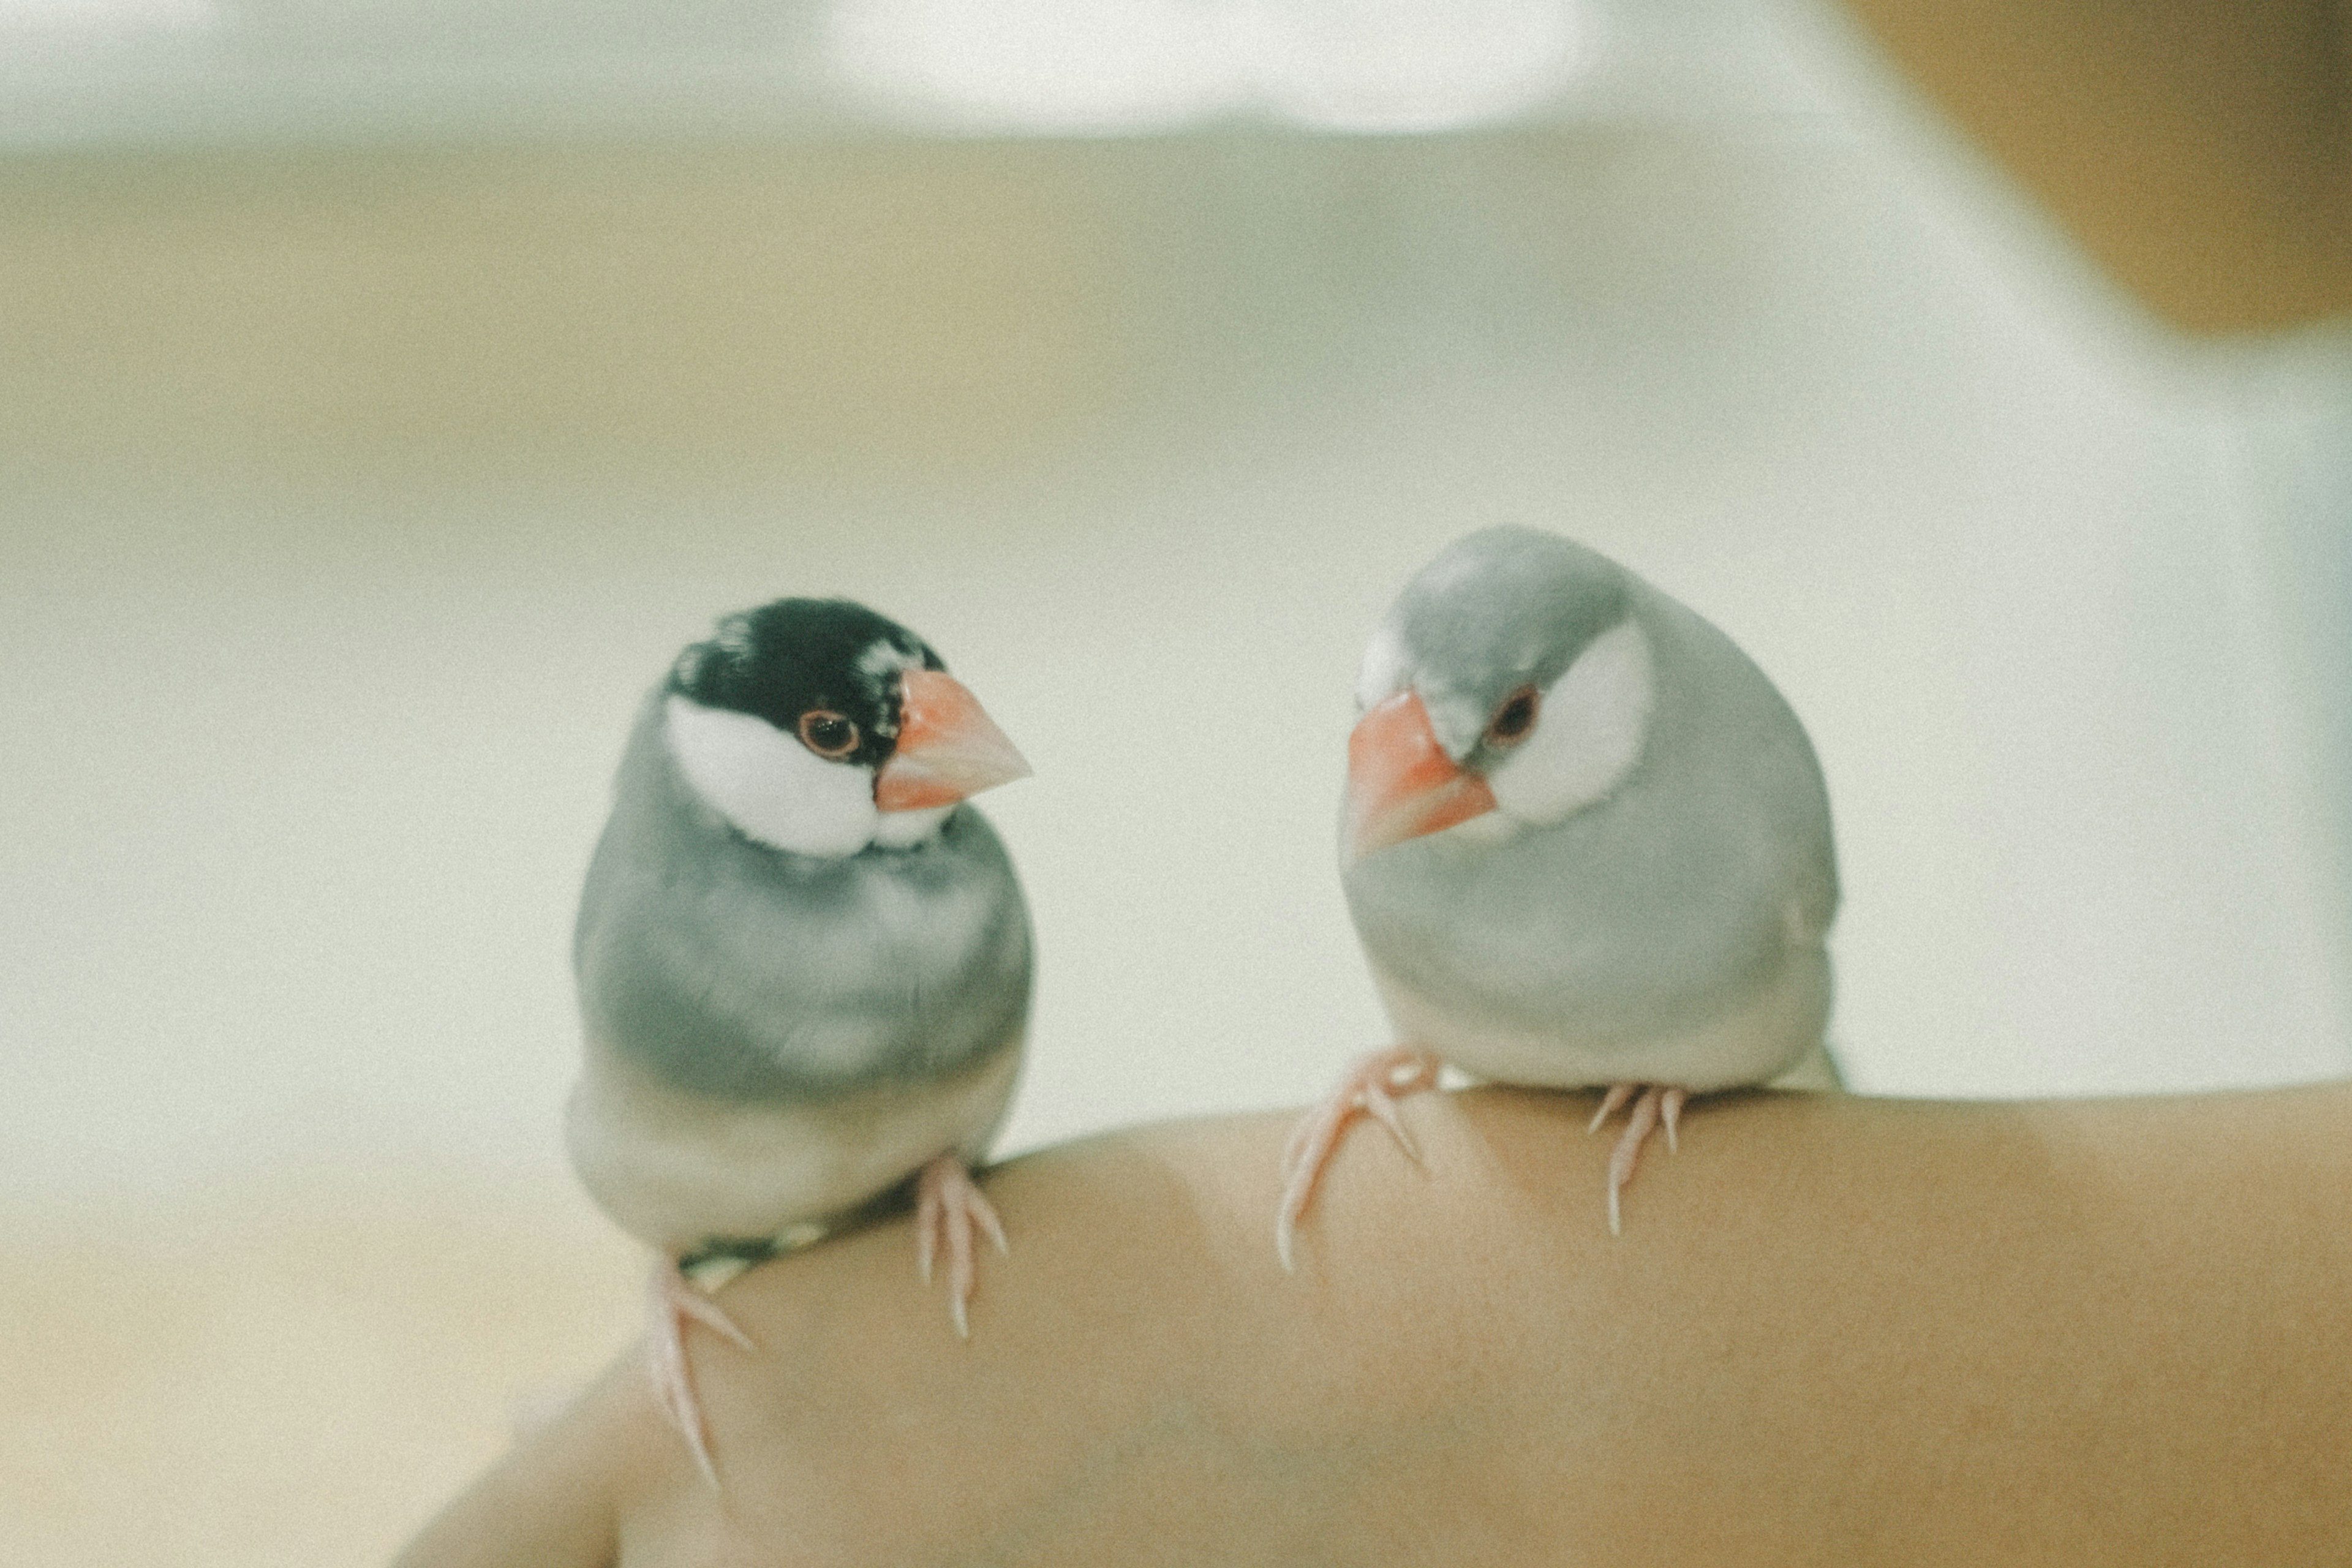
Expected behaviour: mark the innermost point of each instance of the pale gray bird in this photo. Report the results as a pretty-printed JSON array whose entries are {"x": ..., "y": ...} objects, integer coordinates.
[
  {"x": 1585, "y": 843},
  {"x": 803, "y": 961}
]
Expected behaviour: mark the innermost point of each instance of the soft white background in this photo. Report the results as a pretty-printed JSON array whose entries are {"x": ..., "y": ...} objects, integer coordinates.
[{"x": 360, "y": 472}]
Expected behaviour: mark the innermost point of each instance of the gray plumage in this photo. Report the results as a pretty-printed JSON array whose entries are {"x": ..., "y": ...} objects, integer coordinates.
[
  {"x": 1669, "y": 931},
  {"x": 725, "y": 968},
  {"x": 776, "y": 1036}
]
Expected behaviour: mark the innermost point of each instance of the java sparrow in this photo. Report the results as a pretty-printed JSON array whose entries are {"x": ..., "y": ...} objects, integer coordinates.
[
  {"x": 1585, "y": 843},
  {"x": 804, "y": 963}
]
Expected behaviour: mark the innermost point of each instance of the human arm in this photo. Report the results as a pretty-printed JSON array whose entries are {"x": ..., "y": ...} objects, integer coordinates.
[
  {"x": 1886, "y": 1331},
  {"x": 551, "y": 1501},
  {"x": 2200, "y": 149}
]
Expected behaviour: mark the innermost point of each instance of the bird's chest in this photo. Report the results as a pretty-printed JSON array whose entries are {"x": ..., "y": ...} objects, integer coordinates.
[
  {"x": 1605, "y": 937},
  {"x": 748, "y": 984},
  {"x": 859, "y": 934}
]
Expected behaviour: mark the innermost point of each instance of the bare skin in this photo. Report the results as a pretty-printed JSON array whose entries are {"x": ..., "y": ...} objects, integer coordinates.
[
  {"x": 2199, "y": 150},
  {"x": 1836, "y": 1329}
]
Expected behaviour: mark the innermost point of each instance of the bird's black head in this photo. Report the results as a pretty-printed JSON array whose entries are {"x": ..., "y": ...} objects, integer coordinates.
[{"x": 825, "y": 670}]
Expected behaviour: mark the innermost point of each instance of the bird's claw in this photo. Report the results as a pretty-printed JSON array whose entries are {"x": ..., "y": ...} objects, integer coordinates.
[
  {"x": 1381, "y": 1106},
  {"x": 1653, "y": 1104},
  {"x": 692, "y": 1303},
  {"x": 1372, "y": 1087},
  {"x": 949, "y": 1205},
  {"x": 1619, "y": 1093},
  {"x": 670, "y": 1302}
]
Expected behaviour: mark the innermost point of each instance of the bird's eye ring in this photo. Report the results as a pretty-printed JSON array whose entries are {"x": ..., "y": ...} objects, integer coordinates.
[
  {"x": 827, "y": 734},
  {"x": 1516, "y": 719}
]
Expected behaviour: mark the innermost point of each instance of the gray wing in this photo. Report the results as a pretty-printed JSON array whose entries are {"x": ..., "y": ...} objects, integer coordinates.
[{"x": 729, "y": 969}]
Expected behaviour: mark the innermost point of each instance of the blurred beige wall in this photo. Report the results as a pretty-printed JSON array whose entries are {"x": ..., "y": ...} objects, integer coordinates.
[{"x": 711, "y": 311}]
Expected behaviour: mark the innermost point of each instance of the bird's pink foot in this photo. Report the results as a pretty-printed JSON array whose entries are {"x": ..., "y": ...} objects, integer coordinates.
[
  {"x": 1371, "y": 1087},
  {"x": 1653, "y": 1104},
  {"x": 671, "y": 1301},
  {"x": 948, "y": 1206}
]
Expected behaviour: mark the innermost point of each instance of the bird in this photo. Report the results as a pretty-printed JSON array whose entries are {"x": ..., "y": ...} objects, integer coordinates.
[
  {"x": 1585, "y": 844},
  {"x": 804, "y": 963}
]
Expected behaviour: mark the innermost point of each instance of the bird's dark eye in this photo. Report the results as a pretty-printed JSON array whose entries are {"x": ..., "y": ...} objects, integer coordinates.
[
  {"x": 827, "y": 734},
  {"x": 1513, "y": 720}
]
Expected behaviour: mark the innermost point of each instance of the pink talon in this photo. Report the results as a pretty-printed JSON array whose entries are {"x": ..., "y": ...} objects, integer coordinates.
[
  {"x": 670, "y": 1302},
  {"x": 1619, "y": 1093},
  {"x": 948, "y": 1206},
  {"x": 1655, "y": 1103},
  {"x": 1372, "y": 1087}
]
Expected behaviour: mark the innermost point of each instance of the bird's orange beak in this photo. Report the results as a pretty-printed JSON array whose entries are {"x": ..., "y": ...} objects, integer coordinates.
[
  {"x": 1400, "y": 783},
  {"x": 946, "y": 748}
]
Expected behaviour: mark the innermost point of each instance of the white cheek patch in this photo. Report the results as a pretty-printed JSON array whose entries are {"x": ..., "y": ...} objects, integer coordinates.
[
  {"x": 772, "y": 788},
  {"x": 1588, "y": 734}
]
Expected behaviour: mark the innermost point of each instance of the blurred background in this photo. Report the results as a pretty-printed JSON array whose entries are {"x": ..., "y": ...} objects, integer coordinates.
[{"x": 388, "y": 390}]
